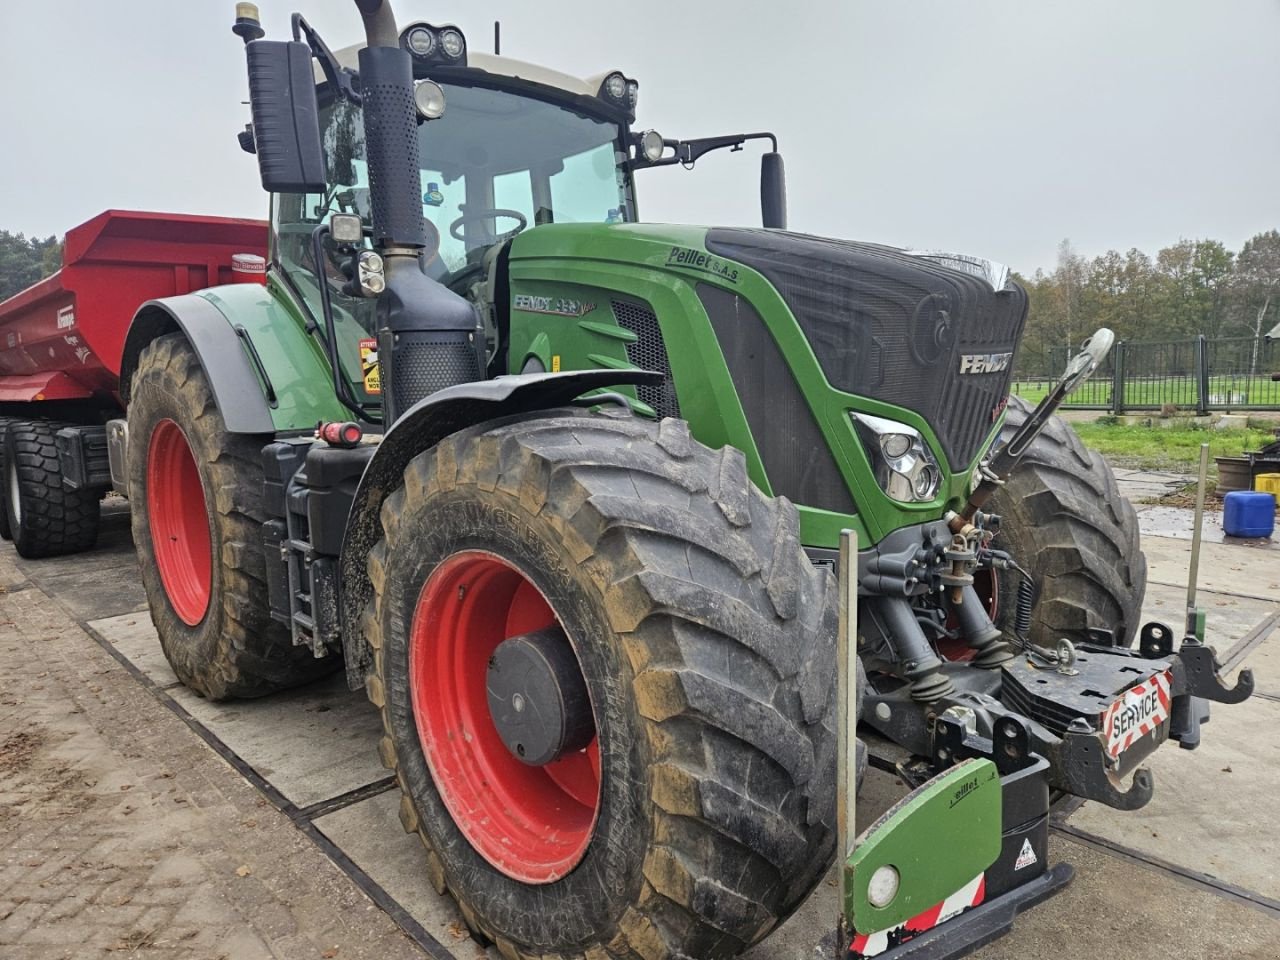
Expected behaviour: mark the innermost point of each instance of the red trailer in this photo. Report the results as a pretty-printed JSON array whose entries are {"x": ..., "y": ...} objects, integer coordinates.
[{"x": 61, "y": 342}]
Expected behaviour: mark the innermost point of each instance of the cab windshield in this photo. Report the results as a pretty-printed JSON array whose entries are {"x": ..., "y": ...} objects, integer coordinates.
[{"x": 495, "y": 164}]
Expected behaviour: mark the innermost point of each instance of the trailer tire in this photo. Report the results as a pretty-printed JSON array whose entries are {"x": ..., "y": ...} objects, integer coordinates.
[
  {"x": 44, "y": 517},
  {"x": 199, "y": 534},
  {"x": 1065, "y": 521},
  {"x": 707, "y": 643},
  {"x": 5, "y": 533}
]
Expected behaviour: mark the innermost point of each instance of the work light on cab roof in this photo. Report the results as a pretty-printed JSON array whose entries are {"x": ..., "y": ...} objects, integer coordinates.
[{"x": 444, "y": 45}]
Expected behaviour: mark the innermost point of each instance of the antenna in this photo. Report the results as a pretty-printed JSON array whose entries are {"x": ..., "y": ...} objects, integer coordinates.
[{"x": 497, "y": 38}]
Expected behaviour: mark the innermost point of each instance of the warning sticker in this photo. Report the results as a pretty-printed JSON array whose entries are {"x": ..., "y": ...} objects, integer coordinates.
[
  {"x": 369, "y": 369},
  {"x": 1138, "y": 711},
  {"x": 1026, "y": 856}
]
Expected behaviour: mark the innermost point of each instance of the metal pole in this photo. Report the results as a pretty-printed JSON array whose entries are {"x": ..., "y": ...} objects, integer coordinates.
[
  {"x": 847, "y": 721},
  {"x": 1117, "y": 379},
  {"x": 1194, "y": 572},
  {"x": 1202, "y": 375}
]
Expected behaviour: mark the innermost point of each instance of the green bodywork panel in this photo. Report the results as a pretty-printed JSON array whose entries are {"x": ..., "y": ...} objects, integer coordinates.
[
  {"x": 563, "y": 277},
  {"x": 938, "y": 838},
  {"x": 563, "y": 281},
  {"x": 293, "y": 359}
]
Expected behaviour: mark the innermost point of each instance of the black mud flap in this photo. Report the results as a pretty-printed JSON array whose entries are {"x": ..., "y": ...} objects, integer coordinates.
[{"x": 967, "y": 932}]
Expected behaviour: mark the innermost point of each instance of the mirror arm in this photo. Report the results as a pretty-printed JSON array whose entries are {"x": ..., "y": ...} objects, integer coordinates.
[
  {"x": 342, "y": 78},
  {"x": 688, "y": 152}
]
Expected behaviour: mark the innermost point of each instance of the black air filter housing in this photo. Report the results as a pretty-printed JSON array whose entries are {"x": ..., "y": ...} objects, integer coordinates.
[{"x": 896, "y": 327}]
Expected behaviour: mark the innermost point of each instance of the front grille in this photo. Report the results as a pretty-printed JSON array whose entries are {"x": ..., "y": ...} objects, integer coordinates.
[
  {"x": 892, "y": 326},
  {"x": 648, "y": 352}
]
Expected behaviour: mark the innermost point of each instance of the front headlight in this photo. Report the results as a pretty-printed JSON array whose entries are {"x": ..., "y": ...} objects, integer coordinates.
[{"x": 904, "y": 465}]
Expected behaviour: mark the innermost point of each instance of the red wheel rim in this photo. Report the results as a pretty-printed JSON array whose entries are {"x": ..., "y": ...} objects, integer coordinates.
[
  {"x": 179, "y": 526},
  {"x": 532, "y": 823}
]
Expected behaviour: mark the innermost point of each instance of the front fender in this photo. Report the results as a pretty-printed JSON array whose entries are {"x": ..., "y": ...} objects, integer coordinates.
[
  {"x": 422, "y": 426},
  {"x": 268, "y": 375}
]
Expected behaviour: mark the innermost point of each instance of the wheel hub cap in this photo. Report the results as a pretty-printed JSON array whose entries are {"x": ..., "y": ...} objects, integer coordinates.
[{"x": 537, "y": 698}]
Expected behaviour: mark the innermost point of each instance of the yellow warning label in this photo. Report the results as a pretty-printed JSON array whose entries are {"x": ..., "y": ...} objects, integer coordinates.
[
  {"x": 369, "y": 369},
  {"x": 555, "y": 363}
]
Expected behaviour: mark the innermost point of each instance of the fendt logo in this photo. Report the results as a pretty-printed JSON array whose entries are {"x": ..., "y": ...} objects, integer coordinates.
[{"x": 985, "y": 362}]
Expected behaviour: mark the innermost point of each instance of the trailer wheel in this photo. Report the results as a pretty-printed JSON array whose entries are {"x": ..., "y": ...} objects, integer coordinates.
[
  {"x": 44, "y": 518},
  {"x": 1066, "y": 522},
  {"x": 5, "y": 533},
  {"x": 605, "y": 666},
  {"x": 196, "y": 497}
]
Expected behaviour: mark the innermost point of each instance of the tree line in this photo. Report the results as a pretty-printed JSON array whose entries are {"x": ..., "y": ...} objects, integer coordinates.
[
  {"x": 25, "y": 260},
  {"x": 1190, "y": 288}
]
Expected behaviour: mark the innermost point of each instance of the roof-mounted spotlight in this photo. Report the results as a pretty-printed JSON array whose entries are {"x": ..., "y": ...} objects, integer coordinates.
[
  {"x": 620, "y": 91},
  {"x": 443, "y": 46}
]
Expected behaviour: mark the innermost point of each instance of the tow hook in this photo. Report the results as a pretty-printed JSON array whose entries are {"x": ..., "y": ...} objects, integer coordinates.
[
  {"x": 1196, "y": 669},
  {"x": 1079, "y": 765}
]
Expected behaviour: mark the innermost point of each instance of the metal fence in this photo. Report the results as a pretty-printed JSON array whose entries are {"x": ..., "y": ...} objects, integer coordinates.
[{"x": 1197, "y": 374}]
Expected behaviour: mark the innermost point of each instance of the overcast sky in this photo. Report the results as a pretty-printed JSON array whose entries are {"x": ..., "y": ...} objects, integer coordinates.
[{"x": 992, "y": 127}]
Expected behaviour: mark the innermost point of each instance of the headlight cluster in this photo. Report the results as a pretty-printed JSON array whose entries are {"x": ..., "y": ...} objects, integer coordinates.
[
  {"x": 904, "y": 466},
  {"x": 621, "y": 91},
  {"x": 442, "y": 45}
]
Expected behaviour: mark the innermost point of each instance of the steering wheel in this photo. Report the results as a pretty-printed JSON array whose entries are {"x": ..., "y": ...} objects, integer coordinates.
[{"x": 455, "y": 228}]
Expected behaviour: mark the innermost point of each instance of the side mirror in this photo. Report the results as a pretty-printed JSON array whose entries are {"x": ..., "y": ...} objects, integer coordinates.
[
  {"x": 286, "y": 118},
  {"x": 773, "y": 191}
]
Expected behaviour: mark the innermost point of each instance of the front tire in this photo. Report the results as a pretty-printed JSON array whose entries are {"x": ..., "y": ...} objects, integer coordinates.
[
  {"x": 1066, "y": 522},
  {"x": 702, "y": 812},
  {"x": 196, "y": 496}
]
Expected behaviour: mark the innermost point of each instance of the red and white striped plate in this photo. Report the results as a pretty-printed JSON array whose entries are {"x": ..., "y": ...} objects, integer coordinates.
[
  {"x": 968, "y": 896},
  {"x": 1135, "y": 713}
]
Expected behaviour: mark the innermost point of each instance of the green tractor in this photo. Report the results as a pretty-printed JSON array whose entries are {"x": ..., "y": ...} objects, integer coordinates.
[{"x": 564, "y": 492}]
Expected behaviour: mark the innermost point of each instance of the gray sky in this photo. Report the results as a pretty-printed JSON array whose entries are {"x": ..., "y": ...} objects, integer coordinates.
[{"x": 992, "y": 127}]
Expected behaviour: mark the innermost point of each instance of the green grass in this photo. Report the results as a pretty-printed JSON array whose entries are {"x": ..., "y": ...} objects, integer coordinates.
[
  {"x": 1224, "y": 392},
  {"x": 1175, "y": 448}
]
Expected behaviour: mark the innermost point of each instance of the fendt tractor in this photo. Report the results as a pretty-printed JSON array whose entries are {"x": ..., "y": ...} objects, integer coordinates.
[{"x": 564, "y": 492}]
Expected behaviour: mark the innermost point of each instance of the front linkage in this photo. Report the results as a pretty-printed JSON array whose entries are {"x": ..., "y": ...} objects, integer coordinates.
[
  {"x": 1093, "y": 711},
  {"x": 984, "y": 800},
  {"x": 1094, "y": 719},
  {"x": 986, "y": 739}
]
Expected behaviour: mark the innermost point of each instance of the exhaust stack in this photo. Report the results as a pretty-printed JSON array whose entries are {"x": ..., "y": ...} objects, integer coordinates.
[{"x": 427, "y": 334}]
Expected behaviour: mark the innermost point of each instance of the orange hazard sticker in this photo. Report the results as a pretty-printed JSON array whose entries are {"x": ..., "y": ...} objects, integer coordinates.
[{"x": 369, "y": 369}]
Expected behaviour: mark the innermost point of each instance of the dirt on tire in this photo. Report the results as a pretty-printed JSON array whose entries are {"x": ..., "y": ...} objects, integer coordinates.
[
  {"x": 707, "y": 641},
  {"x": 237, "y": 649},
  {"x": 1065, "y": 521},
  {"x": 51, "y": 520}
]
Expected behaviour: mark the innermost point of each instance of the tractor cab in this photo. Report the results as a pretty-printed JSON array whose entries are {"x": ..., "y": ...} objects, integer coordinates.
[
  {"x": 503, "y": 147},
  {"x": 513, "y": 147}
]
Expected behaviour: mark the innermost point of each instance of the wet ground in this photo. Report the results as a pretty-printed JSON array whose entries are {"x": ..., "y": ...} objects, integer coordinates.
[{"x": 1195, "y": 874}]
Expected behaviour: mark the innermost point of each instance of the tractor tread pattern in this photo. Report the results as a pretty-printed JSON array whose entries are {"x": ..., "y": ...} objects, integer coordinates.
[
  {"x": 723, "y": 620},
  {"x": 55, "y": 519},
  {"x": 1066, "y": 522},
  {"x": 238, "y": 651}
]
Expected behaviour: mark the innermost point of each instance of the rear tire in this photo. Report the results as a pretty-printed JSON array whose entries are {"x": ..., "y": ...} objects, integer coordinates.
[
  {"x": 1066, "y": 522},
  {"x": 198, "y": 533},
  {"x": 707, "y": 643},
  {"x": 5, "y": 533},
  {"x": 44, "y": 517}
]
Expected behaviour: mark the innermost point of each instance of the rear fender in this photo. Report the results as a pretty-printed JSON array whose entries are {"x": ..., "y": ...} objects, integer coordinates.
[
  {"x": 267, "y": 374},
  {"x": 422, "y": 426}
]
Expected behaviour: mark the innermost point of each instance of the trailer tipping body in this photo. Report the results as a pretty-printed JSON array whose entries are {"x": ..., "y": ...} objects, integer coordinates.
[{"x": 62, "y": 338}]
